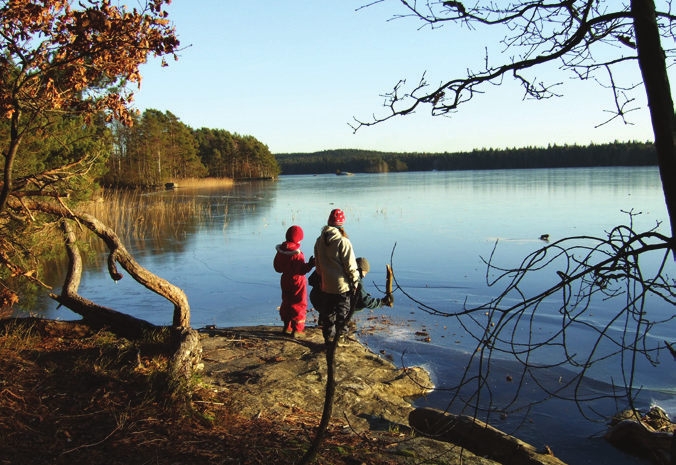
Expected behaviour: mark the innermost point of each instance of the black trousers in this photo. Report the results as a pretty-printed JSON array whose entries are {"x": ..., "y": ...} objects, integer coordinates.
[{"x": 333, "y": 311}]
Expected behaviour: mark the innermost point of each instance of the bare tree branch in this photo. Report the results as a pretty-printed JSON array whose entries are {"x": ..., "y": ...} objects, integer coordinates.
[
  {"x": 118, "y": 254},
  {"x": 543, "y": 32},
  {"x": 583, "y": 270},
  {"x": 95, "y": 316}
]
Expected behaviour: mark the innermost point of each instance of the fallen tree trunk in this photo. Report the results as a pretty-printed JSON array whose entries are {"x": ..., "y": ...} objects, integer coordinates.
[
  {"x": 185, "y": 340},
  {"x": 118, "y": 254},
  {"x": 478, "y": 437}
]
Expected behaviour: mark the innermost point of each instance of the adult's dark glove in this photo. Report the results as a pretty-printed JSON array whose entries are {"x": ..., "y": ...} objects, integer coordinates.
[
  {"x": 388, "y": 300},
  {"x": 312, "y": 261}
]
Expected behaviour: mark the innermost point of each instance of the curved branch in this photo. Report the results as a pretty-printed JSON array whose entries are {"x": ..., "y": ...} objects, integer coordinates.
[
  {"x": 119, "y": 254},
  {"x": 95, "y": 316}
]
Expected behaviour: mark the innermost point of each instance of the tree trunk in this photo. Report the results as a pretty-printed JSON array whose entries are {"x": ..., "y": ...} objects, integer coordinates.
[
  {"x": 330, "y": 387},
  {"x": 186, "y": 346},
  {"x": 10, "y": 154},
  {"x": 187, "y": 350},
  {"x": 652, "y": 61}
]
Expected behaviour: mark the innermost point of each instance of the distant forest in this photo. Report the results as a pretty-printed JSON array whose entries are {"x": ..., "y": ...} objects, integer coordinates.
[
  {"x": 553, "y": 156},
  {"x": 160, "y": 148}
]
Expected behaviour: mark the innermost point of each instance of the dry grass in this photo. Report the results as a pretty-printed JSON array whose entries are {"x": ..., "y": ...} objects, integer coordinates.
[
  {"x": 204, "y": 182},
  {"x": 76, "y": 397}
]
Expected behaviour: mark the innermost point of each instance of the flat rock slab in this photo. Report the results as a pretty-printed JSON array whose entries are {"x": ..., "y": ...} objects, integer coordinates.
[{"x": 270, "y": 373}]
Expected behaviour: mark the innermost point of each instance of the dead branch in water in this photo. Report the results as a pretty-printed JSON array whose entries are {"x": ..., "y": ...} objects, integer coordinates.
[{"x": 186, "y": 344}]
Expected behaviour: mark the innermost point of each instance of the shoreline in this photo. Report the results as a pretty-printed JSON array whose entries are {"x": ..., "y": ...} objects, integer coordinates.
[
  {"x": 269, "y": 375},
  {"x": 554, "y": 423}
]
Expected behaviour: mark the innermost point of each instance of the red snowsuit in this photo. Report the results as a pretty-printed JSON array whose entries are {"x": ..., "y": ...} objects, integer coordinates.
[{"x": 290, "y": 261}]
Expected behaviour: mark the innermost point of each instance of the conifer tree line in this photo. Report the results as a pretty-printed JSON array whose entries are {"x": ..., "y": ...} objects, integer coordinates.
[
  {"x": 553, "y": 156},
  {"x": 159, "y": 148}
]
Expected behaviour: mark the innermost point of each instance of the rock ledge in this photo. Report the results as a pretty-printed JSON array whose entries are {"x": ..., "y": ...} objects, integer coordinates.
[{"x": 270, "y": 374}]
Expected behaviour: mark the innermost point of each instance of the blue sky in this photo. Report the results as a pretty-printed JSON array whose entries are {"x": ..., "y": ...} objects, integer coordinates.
[{"x": 295, "y": 74}]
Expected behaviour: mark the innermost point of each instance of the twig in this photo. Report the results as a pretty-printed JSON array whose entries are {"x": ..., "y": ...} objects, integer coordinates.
[
  {"x": 363, "y": 436},
  {"x": 93, "y": 445}
]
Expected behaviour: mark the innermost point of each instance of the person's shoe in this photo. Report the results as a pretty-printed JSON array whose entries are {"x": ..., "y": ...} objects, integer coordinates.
[
  {"x": 299, "y": 335},
  {"x": 343, "y": 341}
]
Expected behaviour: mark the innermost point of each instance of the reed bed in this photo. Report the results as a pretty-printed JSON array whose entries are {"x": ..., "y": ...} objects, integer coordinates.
[
  {"x": 142, "y": 219},
  {"x": 204, "y": 182}
]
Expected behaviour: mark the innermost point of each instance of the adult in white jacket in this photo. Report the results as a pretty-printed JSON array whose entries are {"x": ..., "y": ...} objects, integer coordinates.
[{"x": 336, "y": 264}]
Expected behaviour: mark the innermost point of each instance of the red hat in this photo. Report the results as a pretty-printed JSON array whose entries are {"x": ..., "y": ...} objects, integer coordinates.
[
  {"x": 336, "y": 218},
  {"x": 294, "y": 234}
]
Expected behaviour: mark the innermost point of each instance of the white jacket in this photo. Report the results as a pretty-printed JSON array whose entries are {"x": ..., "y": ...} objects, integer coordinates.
[{"x": 335, "y": 261}]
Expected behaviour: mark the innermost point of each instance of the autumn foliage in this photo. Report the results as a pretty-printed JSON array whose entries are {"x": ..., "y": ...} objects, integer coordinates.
[
  {"x": 64, "y": 59},
  {"x": 65, "y": 68}
]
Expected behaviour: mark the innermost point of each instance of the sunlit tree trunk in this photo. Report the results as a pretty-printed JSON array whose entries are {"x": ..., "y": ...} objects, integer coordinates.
[{"x": 10, "y": 154}]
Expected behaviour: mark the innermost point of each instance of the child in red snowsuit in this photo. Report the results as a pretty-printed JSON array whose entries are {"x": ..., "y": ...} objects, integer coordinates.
[{"x": 290, "y": 261}]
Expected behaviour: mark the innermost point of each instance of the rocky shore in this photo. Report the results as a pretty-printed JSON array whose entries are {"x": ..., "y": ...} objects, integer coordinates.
[{"x": 269, "y": 374}]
